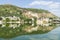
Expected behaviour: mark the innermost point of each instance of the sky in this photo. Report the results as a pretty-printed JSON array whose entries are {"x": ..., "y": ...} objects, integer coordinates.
[{"x": 50, "y": 5}]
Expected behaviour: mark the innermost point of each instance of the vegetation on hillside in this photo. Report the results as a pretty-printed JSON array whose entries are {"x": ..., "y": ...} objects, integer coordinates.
[
  {"x": 10, "y": 10},
  {"x": 36, "y": 10}
]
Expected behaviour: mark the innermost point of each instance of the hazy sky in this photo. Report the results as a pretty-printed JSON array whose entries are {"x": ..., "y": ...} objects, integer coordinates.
[{"x": 51, "y": 5}]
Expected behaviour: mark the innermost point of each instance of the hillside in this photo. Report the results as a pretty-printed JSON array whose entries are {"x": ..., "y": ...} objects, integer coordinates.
[
  {"x": 10, "y": 10},
  {"x": 17, "y": 21}
]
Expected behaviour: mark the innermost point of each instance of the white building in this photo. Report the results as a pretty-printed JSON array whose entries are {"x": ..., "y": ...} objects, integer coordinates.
[
  {"x": 1, "y": 22},
  {"x": 43, "y": 22},
  {"x": 16, "y": 20}
]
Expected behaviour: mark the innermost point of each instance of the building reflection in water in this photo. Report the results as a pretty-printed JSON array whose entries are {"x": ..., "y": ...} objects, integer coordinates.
[{"x": 14, "y": 26}]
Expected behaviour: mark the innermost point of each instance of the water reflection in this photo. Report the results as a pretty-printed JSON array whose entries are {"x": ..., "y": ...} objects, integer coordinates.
[
  {"x": 52, "y": 35},
  {"x": 14, "y": 27}
]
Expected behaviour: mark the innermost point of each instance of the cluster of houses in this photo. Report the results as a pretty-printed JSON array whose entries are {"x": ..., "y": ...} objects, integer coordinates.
[
  {"x": 14, "y": 21},
  {"x": 42, "y": 20},
  {"x": 10, "y": 21}
]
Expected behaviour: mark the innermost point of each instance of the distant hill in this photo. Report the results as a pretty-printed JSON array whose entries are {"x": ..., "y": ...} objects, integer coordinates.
[{"x": 10, "y": 10}]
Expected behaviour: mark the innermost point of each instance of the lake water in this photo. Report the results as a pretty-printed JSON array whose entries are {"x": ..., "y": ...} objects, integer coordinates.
[{"x": 52, "y": 35}]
